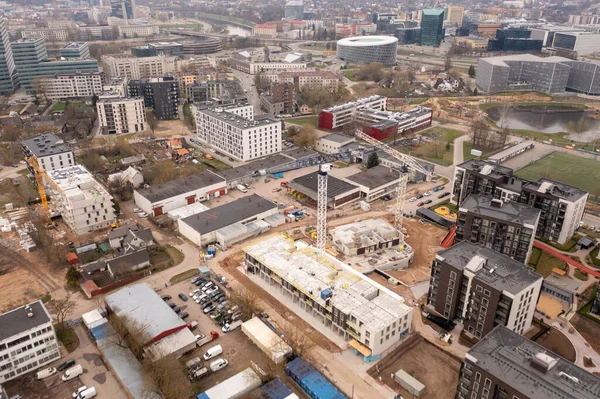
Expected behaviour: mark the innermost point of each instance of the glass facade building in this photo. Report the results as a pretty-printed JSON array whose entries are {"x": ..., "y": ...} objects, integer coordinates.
[
  {"x": 432, "y": 28},
  {"x": 8, "y": 76},
  {"x": 368, "y": 49}
]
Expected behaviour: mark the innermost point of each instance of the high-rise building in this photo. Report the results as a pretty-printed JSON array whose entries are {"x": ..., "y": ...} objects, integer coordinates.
[
  {"x": 160, "y": 94},
  {"x": 75, "y": 50},
  {"x": 121, "y": 115},
  {"x": 432, "y": 27},
  {"x": 8, "y": 72},
  {"x": 294, "y": 9},
  {"x": 124, "y": 9},
  {"x": 455, "y": 15}
]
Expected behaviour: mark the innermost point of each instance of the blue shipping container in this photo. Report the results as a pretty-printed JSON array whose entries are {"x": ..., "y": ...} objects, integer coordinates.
[
  {"x": 276, "y": 389},
  {"x": 101, "y": 331},
  {"x": 202, "y": 396},
  {"x": 311, "y": 381}
]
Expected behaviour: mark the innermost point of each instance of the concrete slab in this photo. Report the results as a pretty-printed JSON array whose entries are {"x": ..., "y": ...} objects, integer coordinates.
[{"x": 420, "y": 289}]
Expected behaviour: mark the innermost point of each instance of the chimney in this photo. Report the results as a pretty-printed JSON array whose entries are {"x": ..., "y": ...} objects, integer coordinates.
[{"x": 496, "y": 203}]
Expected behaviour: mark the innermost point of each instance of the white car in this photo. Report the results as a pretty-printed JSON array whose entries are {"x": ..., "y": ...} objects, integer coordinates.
[
  {"x": 142, "y": 215},
  {"x": 427, "y": 194},
  {"x": 413, "y": 199},
  {"x": 137, "y": 210},
  {"x": 79, "y": 390}
]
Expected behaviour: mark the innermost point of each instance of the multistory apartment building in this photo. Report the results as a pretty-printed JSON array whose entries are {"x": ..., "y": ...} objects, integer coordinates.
[
  {"x": 49, "y": 151},
  {"x": 75, "y": 50},
  {"x": 561, "y": 205},
  {"x": 371, "y": 316},
  {"x": 432, "y": 27},
  {"x": 482, "y": 288},
  {"x": 49, "y": 34},
  {"x": 116, "y": 85},
  {"x": 506, "y": 227},
  {"x": 71, "y": 86},
  {"x": 27, "y": 340},
  {"x": 130, "y": 67},
  {"x": 84, "y": 204},
  {"x": 505, "y": 365},
  {"x": 309, "y": 80},
  {"x": 455, "y": 15},
  {"x": 124, "y": 9},
  {"x": 336, "y": 117},
  {"x": 244, "y": 138},
  {"x": 8, "y": 72},
  {"x": 280, "y": 100},
  {"x": 121, "y": 114},
  {"x": 160, "y": 94},
  {"x": 129, "y": 31}
]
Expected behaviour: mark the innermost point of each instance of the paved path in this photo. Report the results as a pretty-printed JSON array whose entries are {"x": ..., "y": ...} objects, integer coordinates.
[{"x": 566, "y": 258}]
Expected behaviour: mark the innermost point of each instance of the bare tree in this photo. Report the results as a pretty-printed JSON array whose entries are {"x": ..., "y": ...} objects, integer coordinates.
[
  {"x": 130, "y": 334},
  {"x": 45, "y": 242},
  {"x": 307, "y": 137},
  {"x": 151, "y": 120},
  {"x": 62, "y": 310},
  {"x": 248, "y": 302},
  {"x": 297, "y": 340},
  {"x": 165, "y": 378}
]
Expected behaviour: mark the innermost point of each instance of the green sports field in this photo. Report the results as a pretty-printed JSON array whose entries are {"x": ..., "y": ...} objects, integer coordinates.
[{"x": 576, "y": 171}]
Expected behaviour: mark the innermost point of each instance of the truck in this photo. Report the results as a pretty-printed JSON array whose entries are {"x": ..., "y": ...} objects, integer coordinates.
[
  {"x": 277, "y": 175},
  {"x": 230, "y": 327},
  {"x": 212, "y": 336}
]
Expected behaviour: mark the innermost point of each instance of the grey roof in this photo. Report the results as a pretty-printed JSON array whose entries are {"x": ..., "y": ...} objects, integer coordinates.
[
  {"x": 585, "y": 241},
  {"x": 557, "y": 189},
  {"x": 509, "y": 211},
  {"x": 508, "y": 274},
  {"x": 476, "y": 165},
  {"x": 45, "y": 144},
  {"x": 246, "y": 170},
  {"x": 92, "y": 267},
  {"x": 337, "y": 138},
  {"x": 299, "y": 153},
  {"x": 122, "y": 231},
  {"x": 142, "y": 304},
  {"x": 127, "y": 263},
  {"x": 335, "y": 186},
  {"x": 228, "y": 214},
  {"x": 375, "y": 177},
  {"x": 509, "y": 151},
  {"x": 229, "y": 118},
  {"x": 563, "y": 282},
  {"x": 180, "y": 186},
  {"x": 514, "y": 184},
  {"x": 508, "y": 356},
  {"x": 16, "y": 321}
]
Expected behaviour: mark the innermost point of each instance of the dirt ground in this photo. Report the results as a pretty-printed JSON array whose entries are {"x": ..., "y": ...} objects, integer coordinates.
[
  {"x": 18, "y": 288},
  {"x": 425, "y": 240},
  {"x": 589, "y": 330},
  {"x": 558, "y": 343},
  {"x": 436, "y": 369},
  {"x": 170, "y": 128}
]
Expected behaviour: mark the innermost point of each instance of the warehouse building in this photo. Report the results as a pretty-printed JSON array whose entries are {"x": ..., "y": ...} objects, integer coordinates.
[
  {"x": 339, "y": 192},
  {"x": 269, "y": 342},
  {"x": 375, "y": 182},
  {"x": 332, "y": 143},
  {"x": 231, "y": 222},
  {"x": 160, "y": 199},
  {"x": 373, "y": 317},
  {"x": 164, "y": 332}
]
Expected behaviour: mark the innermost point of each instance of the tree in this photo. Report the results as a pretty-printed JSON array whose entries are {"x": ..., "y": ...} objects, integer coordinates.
[
  {"x": 448, "y": 62},
  {"x": 370, "y": 72},
  {"x": 297, "y": 340},
  {"x": 130, "y": 334},
  {"x": 247, "y": 301},
  {"x": 119, "y": 187},
  {"x": 164, "y": 378},
  {"x": 472, "y": 71},
  {"x": 160, "y": 172},
  {"x": 62, "y": 309},
  {"x": 480, "y": 135},
  {"x": 475, "y": 91},
  {"x": 307, "y": 137},
  {"x": 373, "y": 160},
  {"x": 73, "y": 277},
  {"x": 92, "y": 160},
  {"x": 46, "y": 243},
  {"x": 293, "y": 130},
  {"x": 151, "y": 120}
]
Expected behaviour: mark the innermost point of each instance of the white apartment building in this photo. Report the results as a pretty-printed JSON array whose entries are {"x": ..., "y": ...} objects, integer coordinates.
[
  {"x": 49, "y": 151},
  {"x": 76, "y": 85},
  {"x": 307, "y": 80},
  {"x": 129, "y": 31},
  {"x": 84, "y": 204},
  {"x": 121, "y": 114},
  {"x": 241, "y": 137},
  {"x": 27, "y": 340},
  {"x": 48, "y": 34},
  {"x": 371, "y": 316},
  {"x": 116, "y": 85},
  {"x": 335, "y": 117},
  {"x": 136, "y": 68}
]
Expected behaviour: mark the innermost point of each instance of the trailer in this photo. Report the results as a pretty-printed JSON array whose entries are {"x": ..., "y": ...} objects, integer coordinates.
[
  {"x": 311, "y": 381},
  {"x": 264, "y": 337},
  {"x": 211, "y": 337},
  {"x": 237, "y": 386}
]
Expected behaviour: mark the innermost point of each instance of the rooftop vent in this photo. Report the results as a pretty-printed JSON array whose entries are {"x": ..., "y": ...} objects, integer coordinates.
[
  {"x": 543, "y": 362},
  {"x": 29, "y": 311},
  {"x": 569, "y": 377},
  {"x": 496, "y": 203}
]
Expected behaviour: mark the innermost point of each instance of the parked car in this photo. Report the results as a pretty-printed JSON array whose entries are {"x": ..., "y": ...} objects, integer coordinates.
[
  {"x": 45, "y": 373},
  {"x": 176, "y": 309},
  {"x": 200, "y": 281},
  {"x": 421, "y": 203},
  {"x": 427, "y": 193},
  {"x": 412, "y": 199},
  {"x": 209, "y": 308},
  {"x": 88, "y": 393},
  {"x": 419, "y": 196},
  {"x": 213, "y": 352},
  {"x": 142, "y": 215},
  {"x": 72, "y": 372},
  {"x": 79, "y": 390},
  {"x": 171, "y": 305},
  {"x": 218, "y": 365},
  {"x": 194, "y": 292},
  {"x": 66, "y": 365},
  {"x": 137, "y": 210},
  {"x": 428, "y": 202},
  {"x": 447, "y": 193},
  {"x": 193, "y": 281},
  {"x": 184, "y": 315},
  {"x": 182, "y": 296},
  {"x": 211, "y": 290},
  {"x": 166, "y": 297}
]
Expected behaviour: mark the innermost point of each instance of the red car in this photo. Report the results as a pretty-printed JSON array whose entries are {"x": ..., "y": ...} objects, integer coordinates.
[{"x": 421, "y": 203}]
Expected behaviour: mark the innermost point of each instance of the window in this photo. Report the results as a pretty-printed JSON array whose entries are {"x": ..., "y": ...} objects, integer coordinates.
[{"x": 477, "y": 376}]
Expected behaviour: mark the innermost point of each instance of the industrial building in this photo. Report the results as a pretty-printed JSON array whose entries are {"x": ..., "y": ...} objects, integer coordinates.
[
  {"x": 27, "y": 340},
  {"x": 381, "y": 124},
  {"x": 49, "y": 151},
  {"x": 339, "y": 192},
  {"x": 231, "y": 222},
  {"x": 375, "y": 182},
  {"x": 505, "y": 364},
  {"x": 482, "y": 288},
  {"x": 84, "y": 204},
  {"x": 368, "y": 49},
  {"x": 506, "y": 227},
  {"x": 336, "y": 117},
  {"x": 236, "y": 386},
  {"x": 378, "y": 243},
  {"x": 160, "y": 199},
  {"x": 562, "y": 205},
  {"x": 119, "y": 115},
  {"x": 164, "y": 332},
  {"x": 349, "y": 303}
]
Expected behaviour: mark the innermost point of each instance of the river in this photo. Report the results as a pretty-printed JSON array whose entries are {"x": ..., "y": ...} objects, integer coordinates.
[{"x": 547, "y": 122}]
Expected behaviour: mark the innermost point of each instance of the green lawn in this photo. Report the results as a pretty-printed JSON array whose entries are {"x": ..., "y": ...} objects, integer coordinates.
[
  {"x": 59, "y": 107},
  {"x": 183, "y": 276},
  {"x": 467, "y": 147},
  {"x": 68, "y": 338},
  {"x": 418, "y": 101},
  {"x": 576, "y": 171},
  {"x": 485, "y": 107},
  {"x": 594, "y": 257},
  {"x": 304, "y": 120},
  {"x": 545, "y": 263},
  {"x": 438, "y": 150}
]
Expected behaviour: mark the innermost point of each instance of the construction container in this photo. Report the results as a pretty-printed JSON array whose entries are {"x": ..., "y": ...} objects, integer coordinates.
[
  {"x": 102, "y": 331},
  {"x": 410, "y": 383},
  {"x": 326, "y": 293},
  {"x": 311, "y": 381},
  {"x": 237, "y": 386},
  {"x": 269, "y": 342},
  {"x": 212, "y": 250},
  {"x": 277, "y": 175},
  {"x": 276, "y": 389}
]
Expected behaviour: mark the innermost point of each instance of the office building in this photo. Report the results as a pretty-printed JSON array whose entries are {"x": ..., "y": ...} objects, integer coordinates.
[
  {"x": 338, "y": 116},
  {"x": 507, "y": 365},
  {"x": 368, "y": 49},
  {"x": 432, "y": 28},
  {"x": 121, "y": 114},
  {"x": 243, "y": 138},
  {"x": 202, "y": 45},
  {"x": 408, "y": 35},
  {"x": 132, "y": 31},
  {"x": 71, "y": 86},
  {"x": 294, "y": 10},
  {"x": 75, "y": 50},
  {"x": 49, "y": 34},
  {"x": 292, "y": 62},
  {"x": 371, "y": 316},
  {"x": 280, "y": 100},
  {"x": 160, "y": 94},
  {"x": 455, "y": 15},
  {"x": 161, "y": 48},
  {"x": 383, "y": 124},
  {"x": 309, "y": 80},
  {"x": 136, "y": 68},
  {"x": 506, "y": 227},
  {"x": 116, "y": 85},
  {"x": 123, "y": 9},
  {"x": 482, "y": 288},
  {"x": 268, "y": 30},
  {"x": 49, "y": 151},
  {"x": 8, "y": 72},
  {"x": 84, "y": 204},
  {"x": 27, "y": 340},
  {"x": 582, "y": 42},
  {"x": 32, "y": 63}
]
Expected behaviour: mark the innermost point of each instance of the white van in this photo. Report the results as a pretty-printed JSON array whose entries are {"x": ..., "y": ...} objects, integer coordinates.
[
  {"x": 212, "y": 352},
  {"x": 218, "y": 365},
  {"x": 45, "y": 373},
  {"x": 72, "y": 372},
  {"x": 242, "y": 188},
  {"x": 88, "y": 393}
]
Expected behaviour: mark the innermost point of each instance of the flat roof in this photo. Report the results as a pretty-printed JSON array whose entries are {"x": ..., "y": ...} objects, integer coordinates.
[
  {"x": 367, "y": 41},
  {"x": 486, "y": 168},
  {"x": 74, "y": 45},
  {"x": 563, "y": 282},
  {"x": 180, "y": 186},
  {"x": 375, "y": 177},
  {"x": 555, "y": 188},
  {"x": 432, "y": 12},
  {"x": 76, "y": 181},
  {"x": 510, "y": 357},
  {"x": 16, "y": 321},
  {"x": 361, "y": 102},
  {"x": 510, "y": 151},
  {"x": 510, "y": 211},
  {"x": 338, "y": 138},
  {"x": 228, "y": 214},
  {"x": 230, "y": 118},
  {"x": 335, "y": 186},
  {"x": 261, "y": 164},
  {"x": 45, "y": 144},
  {"x": 497, "y": 270}
]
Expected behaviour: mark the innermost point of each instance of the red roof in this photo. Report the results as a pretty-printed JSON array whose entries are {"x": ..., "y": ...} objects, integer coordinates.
[{"x": 72, "y": 258}]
